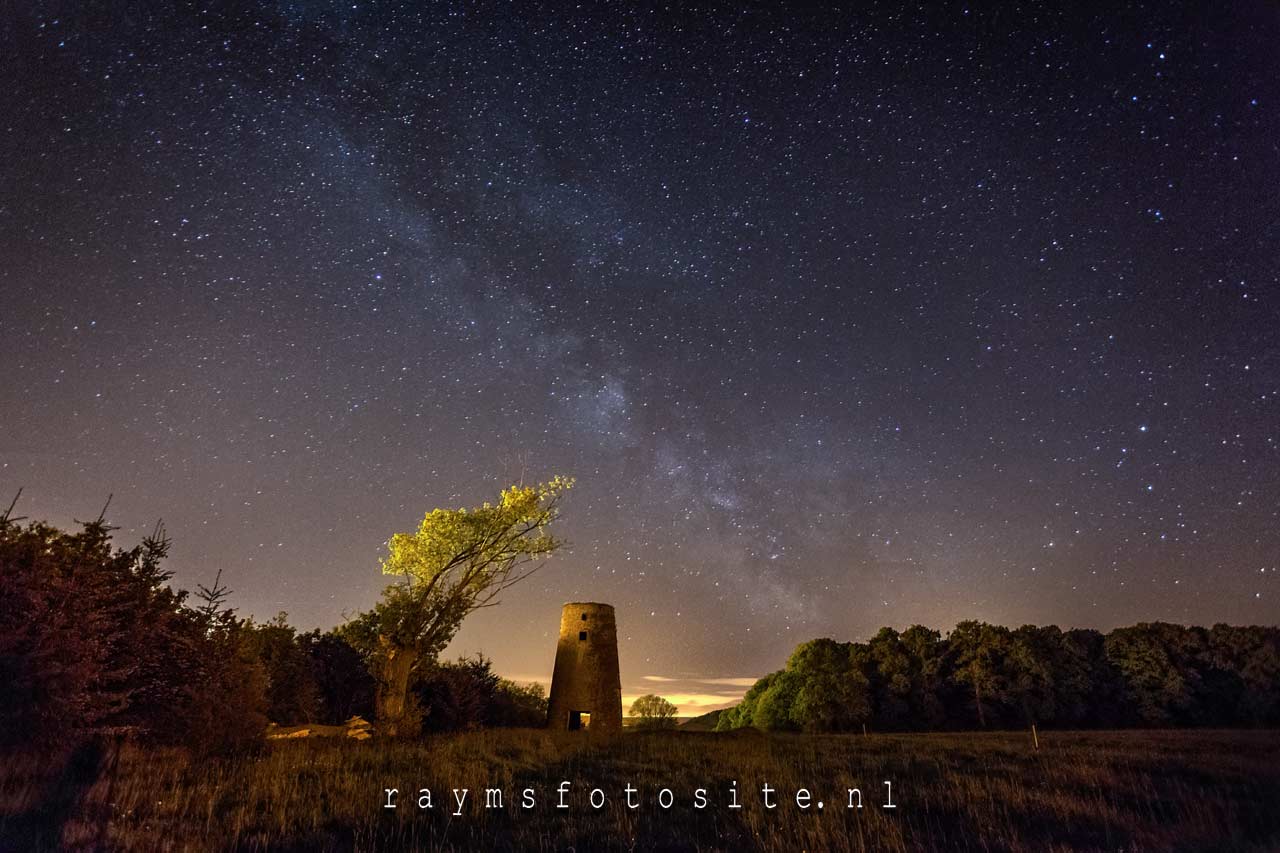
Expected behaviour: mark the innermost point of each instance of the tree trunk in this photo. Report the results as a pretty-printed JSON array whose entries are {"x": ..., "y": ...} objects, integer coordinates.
[
  {"x": 977, "y": 700},
  {"x": 393, "y": 690}
]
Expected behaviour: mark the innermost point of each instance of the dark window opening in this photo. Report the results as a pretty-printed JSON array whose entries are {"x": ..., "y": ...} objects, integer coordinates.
[
  {"x": 582, "y": 635},
  {"x": 584, "y": 617},
  {"x": 579, "y": 720}
]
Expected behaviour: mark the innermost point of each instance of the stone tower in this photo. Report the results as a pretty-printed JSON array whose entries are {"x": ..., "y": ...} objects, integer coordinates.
[{"x": 586, "y": 690}]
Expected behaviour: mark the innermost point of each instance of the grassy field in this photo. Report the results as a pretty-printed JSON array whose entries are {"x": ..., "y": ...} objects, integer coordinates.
[{"x": 1080, "y": 791}]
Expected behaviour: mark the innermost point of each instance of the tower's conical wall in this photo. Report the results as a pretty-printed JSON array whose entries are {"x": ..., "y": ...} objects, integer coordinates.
[{"x": 586, "y": 690}]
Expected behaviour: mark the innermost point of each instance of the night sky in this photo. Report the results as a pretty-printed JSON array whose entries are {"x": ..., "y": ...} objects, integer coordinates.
[{"x": 840, "y": 320}]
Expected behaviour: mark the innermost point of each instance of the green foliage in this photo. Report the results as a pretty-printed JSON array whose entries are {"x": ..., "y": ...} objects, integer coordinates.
[
  {"x": 653, "y": 712},
  {"x": 482, "y": 544},
  {"x": 93, "y": 641},
  {"x": 360, "y": 633},
  {"x": 822, "y": 689},
  {"x": 460, "y": 560},
  {"x": 887, "y": 659},
  {"x": 1251, "y": 657},
  {"x": 1163, "y": 667},
  {"x": 977, "y": 650},
  {"x": 774, "y": 710},
  {"x": 1040, "y": 674},
  {"x": 930, "y": 697},
  {"x": 1152, "y": 674},
  {"x": 456, "y": 562},
  {"x": 744, "y": 713},
  {"x": 834, "y": 696}
]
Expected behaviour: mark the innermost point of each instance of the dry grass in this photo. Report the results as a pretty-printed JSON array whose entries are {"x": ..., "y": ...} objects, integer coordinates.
[{"x": 1080, "y": 791}]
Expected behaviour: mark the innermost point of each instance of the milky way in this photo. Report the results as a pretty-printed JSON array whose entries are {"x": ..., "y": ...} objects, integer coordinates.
[{"x": 840, "y": 320}]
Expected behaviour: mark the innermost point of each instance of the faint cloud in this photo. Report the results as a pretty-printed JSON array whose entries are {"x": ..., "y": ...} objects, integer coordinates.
[
  {"x": 693, "y": 695},
  {"x": 688, "y": 704},
  {"x": 727, "y": 682}
]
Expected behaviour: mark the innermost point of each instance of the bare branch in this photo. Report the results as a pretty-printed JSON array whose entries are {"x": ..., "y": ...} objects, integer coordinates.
[
  {"x": 102, "y": 515},
  {"x": 6, "y": 518}
]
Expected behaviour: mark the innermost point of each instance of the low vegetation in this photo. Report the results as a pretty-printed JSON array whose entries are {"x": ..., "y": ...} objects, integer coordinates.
[
  {"x": 132, "y": 717},
  {"x": 1186, "y": 790}
]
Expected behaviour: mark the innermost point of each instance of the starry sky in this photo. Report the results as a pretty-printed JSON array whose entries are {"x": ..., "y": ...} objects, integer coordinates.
[{"x": 840, "y": 318}]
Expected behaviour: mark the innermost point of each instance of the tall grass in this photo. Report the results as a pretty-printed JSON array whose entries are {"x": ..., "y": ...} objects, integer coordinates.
[{"x": 1080, "y": 791}]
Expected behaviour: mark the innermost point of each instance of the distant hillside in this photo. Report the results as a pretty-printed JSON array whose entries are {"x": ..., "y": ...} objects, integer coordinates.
[{"x": 705, "y": 723}]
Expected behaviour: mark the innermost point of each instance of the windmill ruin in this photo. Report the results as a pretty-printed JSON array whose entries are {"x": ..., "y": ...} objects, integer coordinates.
[{"x": 586, "y": 690}]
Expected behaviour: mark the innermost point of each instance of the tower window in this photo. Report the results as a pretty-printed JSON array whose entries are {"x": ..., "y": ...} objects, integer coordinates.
[
  {"x": 584, "y": 617},
  {"x": 582, "y": 635}
]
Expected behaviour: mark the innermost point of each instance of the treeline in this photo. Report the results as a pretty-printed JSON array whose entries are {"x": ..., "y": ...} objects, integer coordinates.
[
  {"x": 986, "y": 676},
  {"x": 316, "y": 677},
  {"x": 94, "y": 641}
]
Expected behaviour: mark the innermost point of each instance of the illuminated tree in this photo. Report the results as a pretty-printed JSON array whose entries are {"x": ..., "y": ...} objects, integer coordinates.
[
  {"x": 834, "y": 695},
  {"x": 458, "y": 561},
  {"x": 653, "y": 712},
  {"x": 774, "y": 710},
  {"x": 743, "y": 714}
]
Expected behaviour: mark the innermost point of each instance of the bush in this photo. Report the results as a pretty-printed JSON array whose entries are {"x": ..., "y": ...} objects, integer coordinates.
[
  {"x": 653, "y": 712},
  {"x": 93, "y": 641},
  {"x": 467, "y": 694}
]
